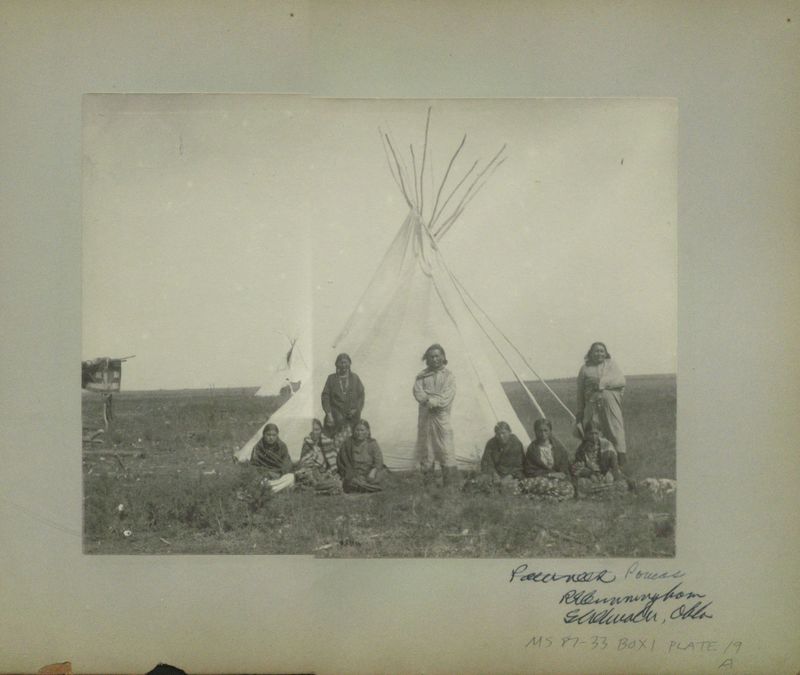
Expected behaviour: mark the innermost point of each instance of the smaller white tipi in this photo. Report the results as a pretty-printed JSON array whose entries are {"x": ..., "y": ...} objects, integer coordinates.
[
  {"x": 413, "y": 301},
  {"x": 290, "y": 373}
]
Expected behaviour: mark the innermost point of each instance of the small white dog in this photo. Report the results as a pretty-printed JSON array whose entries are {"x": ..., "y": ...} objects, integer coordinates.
[{"x": 659, "y": 487}]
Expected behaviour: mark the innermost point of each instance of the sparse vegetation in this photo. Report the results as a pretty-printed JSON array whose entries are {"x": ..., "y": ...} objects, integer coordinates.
[{"x": 164, "y": 482}]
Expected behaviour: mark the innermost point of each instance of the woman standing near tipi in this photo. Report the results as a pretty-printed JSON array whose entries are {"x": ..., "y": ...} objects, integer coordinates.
[
  {"x": 434, "y": 390},
  {"x": 342, "y": 397},
  {"x": 600, "y": 388}
]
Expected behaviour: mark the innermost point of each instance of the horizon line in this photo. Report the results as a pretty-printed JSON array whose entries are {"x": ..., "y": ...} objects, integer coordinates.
[{"x": 258, "y": 386}]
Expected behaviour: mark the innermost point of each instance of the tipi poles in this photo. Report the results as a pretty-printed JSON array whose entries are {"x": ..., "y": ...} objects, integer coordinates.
[
  {"x": 399, "y": 173},
  {"x": 516, "y": 375},
  {"x": 446, "y": 225},
  {"x": 455, "y": 189},
  {"x": 415, "y": 198},
  {"x": 446, "y": 174},
  {"x": 389, "y": 160},
  {"x": 511, "y": 344},
  {"x": 424, "y": 155},
  {"x": 416, "y": 184},
  {"x": 471, "y": 191}
]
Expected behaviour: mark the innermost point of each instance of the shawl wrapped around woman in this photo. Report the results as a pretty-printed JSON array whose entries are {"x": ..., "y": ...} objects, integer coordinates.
[
  {"x": 274, "y": 457},
  {"x": 590, "y": 460},
  {"x": 600, "y": 389},
  {"x": 317, "y": 465},
  {"x": 503, "y": 460},
  {"x": 318, "y": 454},
  {"x": 542, "y": 460}
]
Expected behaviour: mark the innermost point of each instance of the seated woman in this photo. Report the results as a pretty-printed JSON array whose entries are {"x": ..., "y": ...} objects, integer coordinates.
[
  {"x": 546, "y": 465},
  {"x": 503, "y": 456},
  {"x": 316, "y": 467},
  {"x": 360, "y": 461},
  {"x": 332, "y": 451},
  {"x": 271, "y": 454},
  {"x": 596, "y": 469}
]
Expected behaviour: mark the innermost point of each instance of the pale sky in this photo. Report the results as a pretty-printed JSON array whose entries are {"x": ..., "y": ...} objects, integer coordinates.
[{"x": 214, "y": 224}]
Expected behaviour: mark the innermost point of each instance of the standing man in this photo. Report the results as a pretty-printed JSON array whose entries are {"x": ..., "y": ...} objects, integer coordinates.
[
  {"x": 342, "y": 398},
  {"x": 435, "y": 389}
]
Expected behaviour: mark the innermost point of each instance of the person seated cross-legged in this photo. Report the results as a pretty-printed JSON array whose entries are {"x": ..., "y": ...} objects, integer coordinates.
[{"x": 360, "y": 461}]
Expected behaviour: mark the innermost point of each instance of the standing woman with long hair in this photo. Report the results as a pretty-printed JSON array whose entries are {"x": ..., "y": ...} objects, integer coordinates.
[
  {"x": 342, "y": 397},
  {"x": 601, "y": 385}
]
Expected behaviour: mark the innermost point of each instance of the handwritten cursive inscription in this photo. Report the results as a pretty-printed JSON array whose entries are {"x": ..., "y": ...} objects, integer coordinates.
[
  {"x": 644, "y": 604},
  {"x": 695, "y": 611},
  {"x": 635, "y": 572},
  {"x": 576, "y": 597},
  {"x": 520, "y": 573},
  {"x": 629, "y": 613}
]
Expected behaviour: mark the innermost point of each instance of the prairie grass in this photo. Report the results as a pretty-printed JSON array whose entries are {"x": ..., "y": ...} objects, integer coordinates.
[{"x": 164, "y": 482}]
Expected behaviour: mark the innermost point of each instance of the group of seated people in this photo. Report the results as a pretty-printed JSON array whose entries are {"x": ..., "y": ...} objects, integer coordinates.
[
  {"x": 353, "y": 463},
  {"x": 545, "y": 468},
  {"x": 349, "y": 462}
]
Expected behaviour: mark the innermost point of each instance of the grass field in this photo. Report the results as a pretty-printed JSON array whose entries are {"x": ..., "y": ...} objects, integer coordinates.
[{"x": 163, "y": 481}]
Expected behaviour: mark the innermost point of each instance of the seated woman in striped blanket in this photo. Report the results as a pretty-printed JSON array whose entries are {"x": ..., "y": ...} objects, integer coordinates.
[
  {"x": 546, "y": 466},
  {"x": 360, "y": 461},
  {"x": 595, "y": 470},
  {"x": 316, "y": 467}
]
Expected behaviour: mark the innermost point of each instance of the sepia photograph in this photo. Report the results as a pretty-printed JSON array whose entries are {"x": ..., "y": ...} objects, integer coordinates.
[
  {"x": 399, "y": 324},
  {"x": 379, "y": 328}
]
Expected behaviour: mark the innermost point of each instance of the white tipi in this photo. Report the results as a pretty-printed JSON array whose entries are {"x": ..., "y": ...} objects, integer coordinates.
[
  {"x": 413, "y": 301},
  {"x": 289, "y": 374}
]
